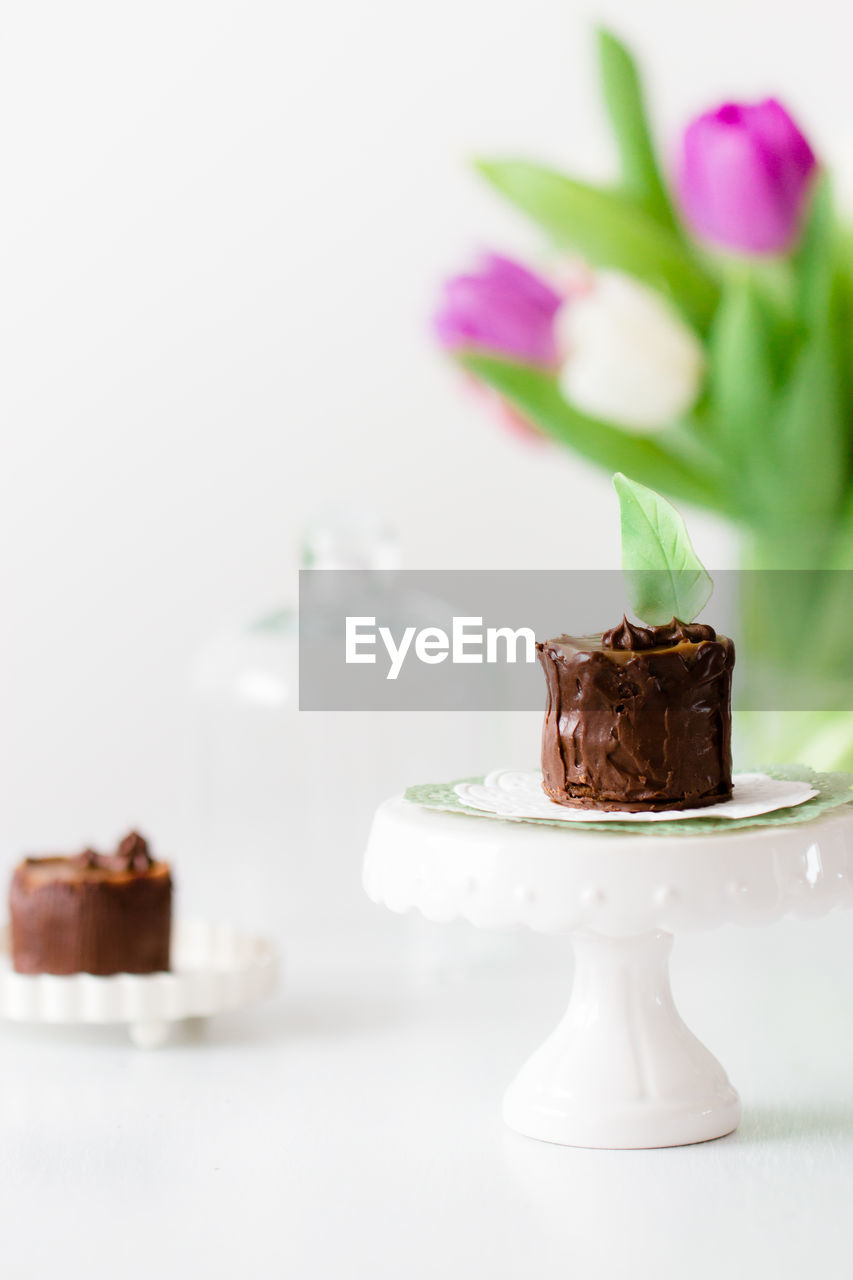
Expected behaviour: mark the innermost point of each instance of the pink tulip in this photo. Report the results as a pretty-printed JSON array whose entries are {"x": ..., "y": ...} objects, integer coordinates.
[
  {"x": 501, "y": 308},
  {"x": 744, "y": 176}
]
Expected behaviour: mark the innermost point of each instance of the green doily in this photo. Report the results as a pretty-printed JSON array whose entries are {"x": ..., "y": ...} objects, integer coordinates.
[{"x": 835, "y": 789}]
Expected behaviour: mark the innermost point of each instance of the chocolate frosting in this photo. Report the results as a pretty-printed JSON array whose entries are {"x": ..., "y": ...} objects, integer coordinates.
[
  {"x": 93, "y": 913},
  {"x": 132, "y": 854},
  {"x": 627, "y": 635},
  {"x": 640, "y": 727}
]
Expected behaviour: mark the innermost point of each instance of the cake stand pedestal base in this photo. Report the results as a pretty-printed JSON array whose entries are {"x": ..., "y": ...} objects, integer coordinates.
[{"x": 622, "y": 1069}]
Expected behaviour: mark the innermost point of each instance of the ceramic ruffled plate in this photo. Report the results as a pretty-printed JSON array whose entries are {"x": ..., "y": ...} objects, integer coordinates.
[
  {"x": 215, "y": 969},
  {"x": 776, "y": 794}
]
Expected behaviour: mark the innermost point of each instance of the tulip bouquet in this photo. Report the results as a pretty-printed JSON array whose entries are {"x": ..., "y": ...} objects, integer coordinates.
[{"x": 697, "y": 334}]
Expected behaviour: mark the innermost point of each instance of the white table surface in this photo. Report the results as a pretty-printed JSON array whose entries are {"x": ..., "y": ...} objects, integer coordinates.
[{"x": 351, "y": 1127}]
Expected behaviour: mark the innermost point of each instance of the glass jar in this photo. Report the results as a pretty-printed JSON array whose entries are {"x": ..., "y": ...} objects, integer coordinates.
[{"x": 284, "y": 799}]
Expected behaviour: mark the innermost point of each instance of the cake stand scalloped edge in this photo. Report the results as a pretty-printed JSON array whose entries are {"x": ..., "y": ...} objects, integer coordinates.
[{"x": 217, "y": 969}]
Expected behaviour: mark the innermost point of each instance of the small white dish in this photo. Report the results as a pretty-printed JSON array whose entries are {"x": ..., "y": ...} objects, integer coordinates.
[{"x": 216, "y": 969}]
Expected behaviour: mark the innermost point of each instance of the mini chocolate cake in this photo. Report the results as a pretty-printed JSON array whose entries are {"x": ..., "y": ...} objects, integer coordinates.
[
  {"x": 638, "y": 718},
  {"x": 92, "y": 913}
]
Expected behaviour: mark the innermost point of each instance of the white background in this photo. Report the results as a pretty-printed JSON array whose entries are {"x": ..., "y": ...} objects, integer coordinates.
[{"x": 223, "y": 227}]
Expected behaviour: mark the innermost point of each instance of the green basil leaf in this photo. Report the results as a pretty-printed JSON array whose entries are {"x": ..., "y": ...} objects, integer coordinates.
[{"x": 664, "y": 577}]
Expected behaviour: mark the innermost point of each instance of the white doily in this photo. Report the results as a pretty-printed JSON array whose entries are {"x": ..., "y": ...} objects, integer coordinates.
[{"x": 512, "y": 794}]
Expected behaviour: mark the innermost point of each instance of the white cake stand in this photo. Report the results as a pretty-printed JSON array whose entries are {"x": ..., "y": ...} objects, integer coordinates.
[{"x": 621, "y": 1069}]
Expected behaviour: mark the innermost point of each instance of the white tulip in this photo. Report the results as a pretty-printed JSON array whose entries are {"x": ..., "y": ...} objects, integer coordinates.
[{"x": 629, "y": 357}]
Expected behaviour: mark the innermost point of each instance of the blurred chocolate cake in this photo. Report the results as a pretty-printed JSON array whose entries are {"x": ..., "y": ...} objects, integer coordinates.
[
  {"x": 638, "y": 718},
  {"x": 92, "y": 913}
]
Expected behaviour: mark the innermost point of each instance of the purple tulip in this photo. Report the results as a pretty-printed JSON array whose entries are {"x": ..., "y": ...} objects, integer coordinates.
[
  {"x": 502, "y": 308},
  {"x": 744, "y": 176}
]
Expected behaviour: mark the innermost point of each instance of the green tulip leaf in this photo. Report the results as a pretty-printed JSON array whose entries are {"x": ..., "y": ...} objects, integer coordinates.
[
  {"x": 813, "y": 423},
  {"x": 664, "y": 577},
  {"x": 811, "y": 434},
  {"x": 537, "y": 397},
  {"x": 623, "y": 96},
  {"x": 610, "y": 230},
  {"x": 742, "y": 393},
  {"x": 815, "y": 259}
]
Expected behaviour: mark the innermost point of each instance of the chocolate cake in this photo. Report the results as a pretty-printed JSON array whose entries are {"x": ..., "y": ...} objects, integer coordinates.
[
  {"x": 92, "y": 913},
  {"x": 638, "y": 718}
]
